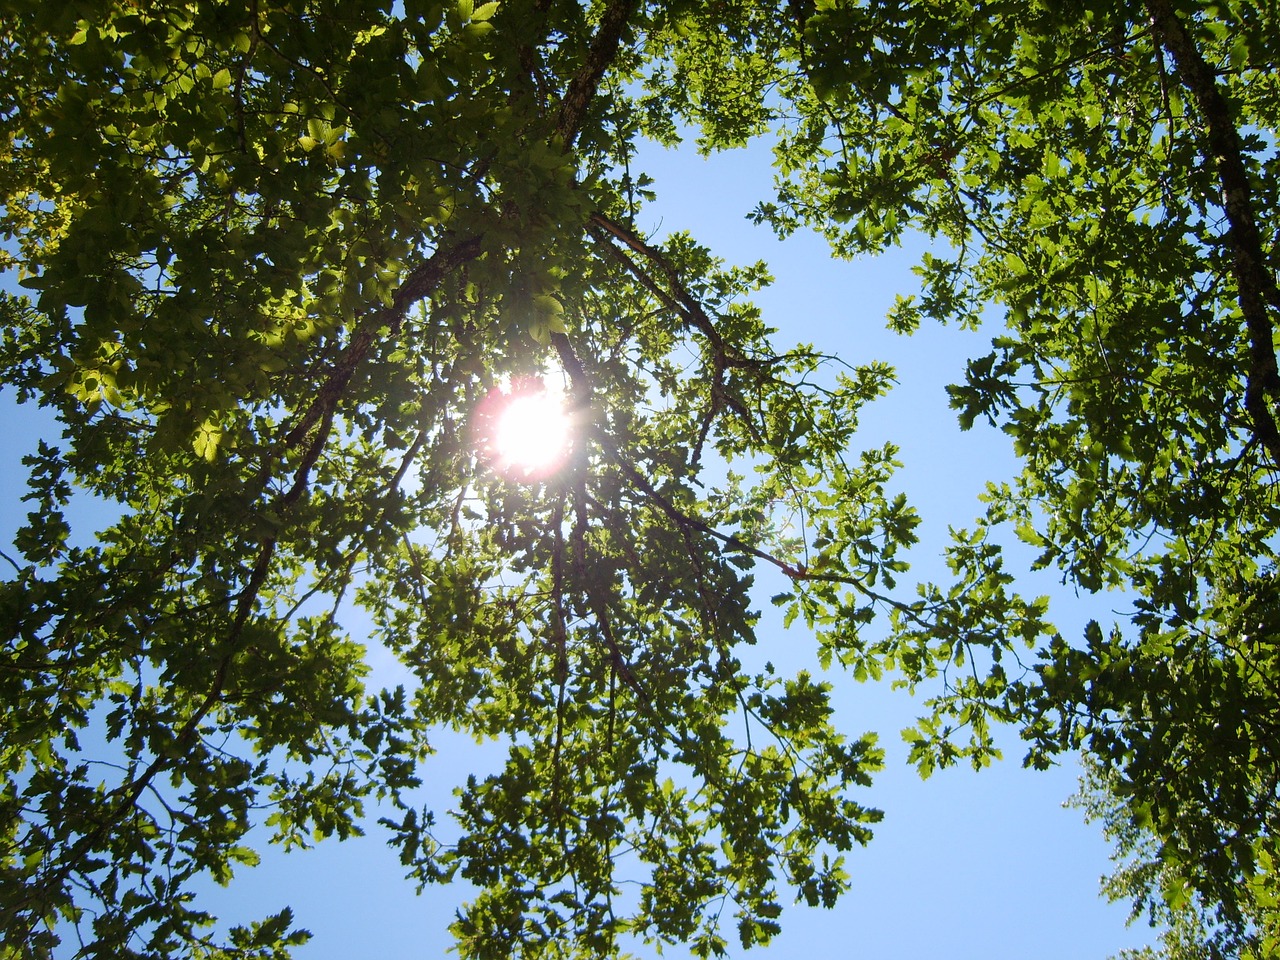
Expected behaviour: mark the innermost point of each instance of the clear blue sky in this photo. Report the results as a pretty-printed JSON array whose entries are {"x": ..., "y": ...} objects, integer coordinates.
[{"x": 964, "y": 865}]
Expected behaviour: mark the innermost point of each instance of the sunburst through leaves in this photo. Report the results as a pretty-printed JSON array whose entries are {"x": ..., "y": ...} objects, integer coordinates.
[{"x": 526, "y": 430}]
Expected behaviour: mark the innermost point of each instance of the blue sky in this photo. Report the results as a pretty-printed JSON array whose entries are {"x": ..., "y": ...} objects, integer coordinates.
[{"x": 964, "y": 865}]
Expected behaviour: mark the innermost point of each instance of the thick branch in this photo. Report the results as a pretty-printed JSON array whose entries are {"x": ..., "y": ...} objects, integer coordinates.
[
  {"x": 573, "y": 366},
  {"x": 688, "y": 305},
  {"x": 679, "y": 299},
  {"x": 604, "y": 48},
  {"x": 1256, "y": 287},
  {"x": 421, "y": 282}
]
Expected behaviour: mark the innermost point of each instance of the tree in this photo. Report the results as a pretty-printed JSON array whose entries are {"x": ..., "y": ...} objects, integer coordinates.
[
  {"x": 1107, "y": 177},
  {"x": 288, "y": 260},
  {"x": 280, "y": 254},
  {"x": 1192, "y": 929}
]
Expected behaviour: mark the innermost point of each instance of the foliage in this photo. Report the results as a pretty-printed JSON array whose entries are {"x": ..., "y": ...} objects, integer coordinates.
[
  {"x": 1191, "y": 927},
  {"x": 1106, "y": 176},
  {"x": 279, "y": 252}
]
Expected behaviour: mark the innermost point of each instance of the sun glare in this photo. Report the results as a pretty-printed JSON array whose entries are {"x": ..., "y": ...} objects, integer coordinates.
[{"x": 527, "y": 431}]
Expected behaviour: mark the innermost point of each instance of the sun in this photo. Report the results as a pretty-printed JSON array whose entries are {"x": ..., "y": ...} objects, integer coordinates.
[
  {"x": 526, "y": 430},
  {"x": 533, "y": 432}
]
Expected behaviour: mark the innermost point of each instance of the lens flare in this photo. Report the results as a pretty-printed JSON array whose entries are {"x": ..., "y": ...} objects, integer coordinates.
[
  {"x": 533, "y": 432},
  {"x": 526, "y": 430}
]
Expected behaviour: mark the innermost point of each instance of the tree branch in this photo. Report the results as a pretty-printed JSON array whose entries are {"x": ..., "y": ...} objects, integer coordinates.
[
  {"x": 1256, "y": 287},
  {"x": 316, "y": 423},
  {"x": 603, "y": 51},
  {"x": 420, "y": 283},
  {"x": 687, "y": 305}
]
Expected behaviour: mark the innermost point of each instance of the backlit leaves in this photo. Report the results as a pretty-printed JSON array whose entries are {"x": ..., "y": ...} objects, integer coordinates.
[{"x": 278, "y": 254}]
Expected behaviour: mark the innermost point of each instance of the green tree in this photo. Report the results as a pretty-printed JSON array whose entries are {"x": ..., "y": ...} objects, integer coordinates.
[
  {"x": 285, "y": 261},
  {"x": 1106, "y": 177},
  {"x": 280, "y": 256},
  {"x": 1191, "y": 927}
]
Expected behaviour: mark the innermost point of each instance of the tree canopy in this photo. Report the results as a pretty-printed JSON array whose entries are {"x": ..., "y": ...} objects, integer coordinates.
[{"x": 286, "y": 263}]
